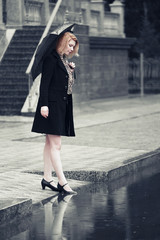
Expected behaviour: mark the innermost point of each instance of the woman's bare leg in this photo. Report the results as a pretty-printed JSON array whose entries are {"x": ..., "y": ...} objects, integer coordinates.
[
  {"x": 55, "y": 147},
  {"x": 47, "y": 162}
]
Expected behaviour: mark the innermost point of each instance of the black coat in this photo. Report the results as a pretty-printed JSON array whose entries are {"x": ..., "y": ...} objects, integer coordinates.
[{"x": 53, "y": 93}]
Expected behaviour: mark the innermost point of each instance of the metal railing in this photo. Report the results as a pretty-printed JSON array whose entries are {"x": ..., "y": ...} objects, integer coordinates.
[
  {"x": 148, "y": 72},
  {"x": 47, "y": 28}
]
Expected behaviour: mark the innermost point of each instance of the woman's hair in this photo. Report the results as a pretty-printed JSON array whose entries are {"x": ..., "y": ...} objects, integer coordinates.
[{"x": 64, "y": 40}]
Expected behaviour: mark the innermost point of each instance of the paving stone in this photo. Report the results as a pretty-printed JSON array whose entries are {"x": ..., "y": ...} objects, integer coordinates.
[{"x": 109, "y": 132}]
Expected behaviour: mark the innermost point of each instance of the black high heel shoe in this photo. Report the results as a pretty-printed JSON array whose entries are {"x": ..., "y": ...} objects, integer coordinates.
[
  {"x": 62, "y": 190},
  {"x": 44, "y": 184}
]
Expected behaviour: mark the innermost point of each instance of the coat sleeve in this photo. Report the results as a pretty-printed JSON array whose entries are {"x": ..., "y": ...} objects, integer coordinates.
[{"x": 47, "y": 73}]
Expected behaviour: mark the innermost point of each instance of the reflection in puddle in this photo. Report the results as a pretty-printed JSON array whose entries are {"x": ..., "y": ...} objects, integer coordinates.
[{"x": 97, "y": 212}]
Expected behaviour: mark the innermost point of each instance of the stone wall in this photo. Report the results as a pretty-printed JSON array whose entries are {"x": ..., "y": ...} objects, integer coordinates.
[
  {"x": 108, "y": 73},
  {"x": 102, "y": 67},
  {"x": 82, "y": 73}
]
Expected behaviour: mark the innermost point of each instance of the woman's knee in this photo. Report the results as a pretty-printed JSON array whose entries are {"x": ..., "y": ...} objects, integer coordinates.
[{"x": 54, "y": 142}]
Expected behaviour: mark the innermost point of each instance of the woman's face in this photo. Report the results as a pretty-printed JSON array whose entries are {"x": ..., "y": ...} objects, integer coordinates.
[{"x": 70, "y": 47}]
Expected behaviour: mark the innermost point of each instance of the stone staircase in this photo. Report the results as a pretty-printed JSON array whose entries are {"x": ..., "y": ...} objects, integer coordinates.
[{"x": 13, "y": 80}]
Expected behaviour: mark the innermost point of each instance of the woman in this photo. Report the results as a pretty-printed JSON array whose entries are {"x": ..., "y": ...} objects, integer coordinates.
[{"x": 54, "y": 114}]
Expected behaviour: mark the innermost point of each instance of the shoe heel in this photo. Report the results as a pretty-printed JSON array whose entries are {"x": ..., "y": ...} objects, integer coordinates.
[{"x": 43, "y": 185}]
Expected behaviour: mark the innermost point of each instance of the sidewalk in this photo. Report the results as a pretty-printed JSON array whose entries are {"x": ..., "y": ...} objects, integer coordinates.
[{"x": 109, "y": 134}]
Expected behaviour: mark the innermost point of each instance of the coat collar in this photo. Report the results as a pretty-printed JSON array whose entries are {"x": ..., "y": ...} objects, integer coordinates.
[{"x": 60, "y": 63}]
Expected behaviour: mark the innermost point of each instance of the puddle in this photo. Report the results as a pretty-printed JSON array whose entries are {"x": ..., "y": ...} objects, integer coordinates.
[{"x": 98, "y": 212}]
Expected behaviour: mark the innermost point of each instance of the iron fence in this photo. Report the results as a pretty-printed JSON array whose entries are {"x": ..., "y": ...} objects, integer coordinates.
[{"x": 151, "y": 73}]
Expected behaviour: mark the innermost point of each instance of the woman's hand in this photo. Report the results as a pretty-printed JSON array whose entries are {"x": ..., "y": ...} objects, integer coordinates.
[
  {"x": 44, "y": 111},
  {"x": 72, "y": 66}
]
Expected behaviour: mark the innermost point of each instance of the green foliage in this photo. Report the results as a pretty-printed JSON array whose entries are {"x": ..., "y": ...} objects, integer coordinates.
[
  {"x": 148, "y": 42},
  {"x": 143, "y": 22},
  {"x": 134, "y": 13}
]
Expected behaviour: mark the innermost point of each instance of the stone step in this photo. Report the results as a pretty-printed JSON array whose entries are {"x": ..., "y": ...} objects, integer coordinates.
[
  {"x": 16, "y": 61},
  {"x": 13, "y": 72},
  {"x": 13, "y": 86},
  {"x": 24, "y": 41},
  {"x": 5, "y": 66},
  {"x": 11, "y": 108},
  {"x": 24, "y": 44},
  {"x": 12, "y": 69},
  {"x": 36, "y": 33},
  {"x": 10, "y": 111},
  {"x": 21, "y": 48},
  {"x": 13, "y": 92},
  {"x": 23, "y": 58},
  {"x": 19, "y": 54},
  {"x": 12, "y": 78},
  {"x": 29, "y": 32},
  {"x": 24, "y": 37},
  {"x": 38, "y": 29},
  {"x": 11, "y": 100}
]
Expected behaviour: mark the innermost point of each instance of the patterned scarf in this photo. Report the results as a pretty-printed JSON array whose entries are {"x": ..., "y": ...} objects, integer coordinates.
[{"x": 71, "y": 78}]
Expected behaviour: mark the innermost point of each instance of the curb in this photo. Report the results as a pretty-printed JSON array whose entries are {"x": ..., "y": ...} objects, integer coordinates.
[
  {"x": 9, "y": 209},
  {"x": 130, "y": 166},
  {"x": 134, "y": 165}
]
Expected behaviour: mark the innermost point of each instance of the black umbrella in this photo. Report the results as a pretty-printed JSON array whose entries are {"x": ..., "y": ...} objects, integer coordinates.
[{"x": 47, "y": 45}]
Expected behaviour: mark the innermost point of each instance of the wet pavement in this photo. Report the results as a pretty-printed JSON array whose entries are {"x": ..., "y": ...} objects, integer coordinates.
[
  {"x": 109, "y": 132},
  {"x": 99, "y": 211}
]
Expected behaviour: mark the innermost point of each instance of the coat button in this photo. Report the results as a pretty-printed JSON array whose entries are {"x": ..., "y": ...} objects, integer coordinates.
[
  {"x": 66, "y": 76},
  {"x": 66, "y": 87},
  {"x": 65, "y": 98}
]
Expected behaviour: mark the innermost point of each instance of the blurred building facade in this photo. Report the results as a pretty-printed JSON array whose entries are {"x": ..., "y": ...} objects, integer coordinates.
[{"x": 103, "y": 62}]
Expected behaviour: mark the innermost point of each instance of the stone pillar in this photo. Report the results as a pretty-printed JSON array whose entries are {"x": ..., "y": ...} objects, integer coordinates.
[
  {"x": 77, "y": 5},
  {"x": 46, "y": 12},
  {"x": 71, "y": 6},
  {"x": 73, "y": 11},
  {"x": 1, "y": 16},
  {"x": 118, "y": 7},
  {"x": 15, "y": 9},
  {"x": 98, "y": 6},
  {"x": 86, "y": 12},
  {"x": 77, "y": 9}
]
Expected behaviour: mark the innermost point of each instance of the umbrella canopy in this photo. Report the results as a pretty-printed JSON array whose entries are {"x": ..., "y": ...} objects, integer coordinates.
[{"x": 47, "y": 45}]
